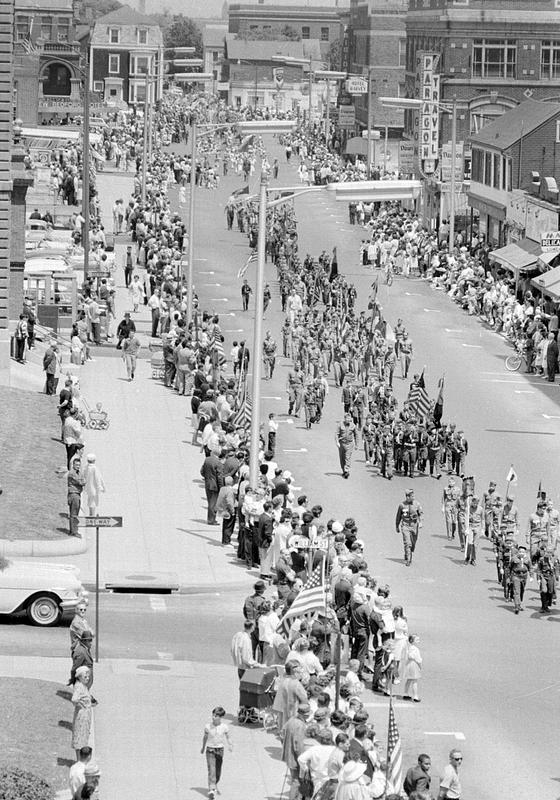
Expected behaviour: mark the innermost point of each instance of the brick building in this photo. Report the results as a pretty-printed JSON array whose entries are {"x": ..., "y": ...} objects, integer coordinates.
[
  {"x": 493, "y": 54},
  {"x": 322, "y": 22},
  {"x": 124, "y": 46},
  {"x": 47, "y": 74},
  {"x": 377, "y": 46},
  {"x": 515, "y": 177}
]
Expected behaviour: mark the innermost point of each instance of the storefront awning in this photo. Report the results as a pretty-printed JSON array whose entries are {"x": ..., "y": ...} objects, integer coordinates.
[
  {"x": 546, "y": 258},
  {"x": 518, "y": 257},
  {"x": 549, "y": 282}
]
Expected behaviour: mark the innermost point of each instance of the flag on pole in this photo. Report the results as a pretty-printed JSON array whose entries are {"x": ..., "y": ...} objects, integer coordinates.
[
  {"x": 247, "y": 141},
  {"x": 512, "y": 476},
  {"x": 242, "y": 417},
  {"x": 394, "y": 753},
  {"x": 418, "y": 398},
  {"x": 216, "y": 348},
  {"x": 243, "y": 270},
  {"x": 311, "y": 598},
  {"x": 239, "y": 192},
  {"x": 541, "y": 495},
  {"x": 438, "y": 408}
]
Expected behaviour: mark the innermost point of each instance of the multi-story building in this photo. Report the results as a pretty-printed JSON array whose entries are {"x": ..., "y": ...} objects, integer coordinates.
[
  {"x": 322, "y": 22},
  {"x": 6, "y": 116},
  {"x": 47, "y": 74},
  {"x": 213, "y": 51},
  {"x": 125, "y": 46},
  {"x": 377, "y": 49}
]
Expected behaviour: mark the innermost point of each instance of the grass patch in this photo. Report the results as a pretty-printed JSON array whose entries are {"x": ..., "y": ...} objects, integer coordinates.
[
  {"x": 31, "y": 736},
  {"x": 33, "y": 497}
]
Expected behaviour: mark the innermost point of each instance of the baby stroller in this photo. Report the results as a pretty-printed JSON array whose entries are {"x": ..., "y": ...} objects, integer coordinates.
[
  {"x": 257, "y": 690},
  {"x": 95, "y": 419}
]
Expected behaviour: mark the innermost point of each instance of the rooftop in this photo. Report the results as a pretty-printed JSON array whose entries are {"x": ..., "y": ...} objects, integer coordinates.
[
  {"x": 44, "y": 5},
  {"x": 265, "y": 50},
  {"x": 214, "y": 35},
  {"x": 125, "y": 15},
  {"x": 516, "y": 123}
]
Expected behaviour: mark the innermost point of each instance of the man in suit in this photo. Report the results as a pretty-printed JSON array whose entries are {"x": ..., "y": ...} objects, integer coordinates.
[
  {"x": 551, "y": 358},
  {"x": 264, "y": 538},
  {"x": 212, "y": 472}
]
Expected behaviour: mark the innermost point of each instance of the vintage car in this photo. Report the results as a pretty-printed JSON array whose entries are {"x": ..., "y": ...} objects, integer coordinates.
[{"x": 45, "y": 592}]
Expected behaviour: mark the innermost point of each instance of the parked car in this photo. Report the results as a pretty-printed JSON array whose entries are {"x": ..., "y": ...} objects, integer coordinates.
[{"x": 45, "y": 592}]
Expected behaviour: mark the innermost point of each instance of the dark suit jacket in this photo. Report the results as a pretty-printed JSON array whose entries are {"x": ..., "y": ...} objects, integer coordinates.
[
  {"x": 212, "y": 472},
  {"x": 265, "y": 526}
]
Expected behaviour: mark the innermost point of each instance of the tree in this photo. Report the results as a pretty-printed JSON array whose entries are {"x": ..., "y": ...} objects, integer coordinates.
[
  {"x": 181, "y": 31},
  {"x": 18, "y": 784},
  {"x": 289, "y": 33}
]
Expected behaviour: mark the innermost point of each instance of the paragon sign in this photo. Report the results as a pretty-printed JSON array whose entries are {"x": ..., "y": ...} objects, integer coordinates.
[{"x": 426, "y": 131}]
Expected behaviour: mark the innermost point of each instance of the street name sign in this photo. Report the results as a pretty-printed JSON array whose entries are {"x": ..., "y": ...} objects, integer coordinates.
[{"x": 101, "y": 522}]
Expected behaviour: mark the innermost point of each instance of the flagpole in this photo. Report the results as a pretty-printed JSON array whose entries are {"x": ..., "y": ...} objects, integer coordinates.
[{"x": 388, "y": 737}]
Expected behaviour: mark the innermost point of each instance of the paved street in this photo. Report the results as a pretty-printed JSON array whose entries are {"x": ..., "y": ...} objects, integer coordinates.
[{"x": 489, "y": 681}]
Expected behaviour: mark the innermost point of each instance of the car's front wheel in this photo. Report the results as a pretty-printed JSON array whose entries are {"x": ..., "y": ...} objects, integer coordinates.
[{"x": 44, "y": 610}]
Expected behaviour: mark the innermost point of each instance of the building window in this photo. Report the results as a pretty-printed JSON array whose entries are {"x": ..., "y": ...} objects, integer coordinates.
[
  {"x": 98, "y": 86},
  {"x": 57, "y": 80},
  {"x": 476, "y": 166},
  {"x": 402, "y": 52},
  {"x": 142, "y": 36},
  {"x": 550, "y": 59},
  {"x": 558, "y": 131},
  {"x": 494, "y": 58},
  {"x": 46, "y": 28},
  {"x": 115, "y": 35},
  {"x": 114, "y": 64},
  {"x": 324, "y": 34},
  {"x": 305, "y": 32},
  {"x": 22, "y": 28},
  {"x": 139, "y": 65},
  {"x": 63, "y": 29},
  {"x": 487, "y": 174}
]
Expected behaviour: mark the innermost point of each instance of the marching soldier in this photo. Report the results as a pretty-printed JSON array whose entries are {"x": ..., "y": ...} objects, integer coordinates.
[
  {"x": 434, "y": 453},
  {"x": 368, "y": 438},
  {"x": 505, "y": 549},
  {"x": 474, "y": 531},
  {"x": 509, "y": 518},
  {"x": 410, "y": 441},
  {"x": 399, "y": 447},
  {"x": 546, "y": 574},
  {"x": 451, "y": 496},
  {"x": 449, "y": 437},
  {"x": 346, "y": 439},
  {"x": 408, "y": 523},
  {"x": 295, "y": 391},
  {"x": 462, "y": 506},
  {"x": 537, "y": 529},
  {"x": 553, "y": 525},
  {"x": 488, "y": 501},
  {"x": 422, "y": 445},
  {"x": 387, "y": 454},
  {"x": 459, "y": 450},
  {"x": 519, "y": 569},
  {"x": 269, "y": 356}
]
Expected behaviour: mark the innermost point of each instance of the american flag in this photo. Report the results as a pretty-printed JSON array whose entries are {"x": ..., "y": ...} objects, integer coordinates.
[
  {"x": 418, "y": 398},
  {"x": 394, "y": 753},
  {"x": 242, "y": 417},
  {"x": 311, "y": 598},
  {"x": 242, "y": 270},
  {"x": 216, "y": 348}
]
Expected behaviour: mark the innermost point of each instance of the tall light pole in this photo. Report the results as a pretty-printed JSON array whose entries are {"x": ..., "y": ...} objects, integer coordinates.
[
  {"x": 85, "y": 174},
  {"x": 329, "y": 75},
  {"x": 190, "y": 241},
  {"x": 145, "y": 138}
]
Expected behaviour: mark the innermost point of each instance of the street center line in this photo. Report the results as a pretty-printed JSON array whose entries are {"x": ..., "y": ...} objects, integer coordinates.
[
  {"x": 478, "y": 346},
  {"x": 457, "y": 734},
  {"x": 524, "y": 391},
  {"x": 299, "y": 450},
  {"x": 270, "y": 397}
]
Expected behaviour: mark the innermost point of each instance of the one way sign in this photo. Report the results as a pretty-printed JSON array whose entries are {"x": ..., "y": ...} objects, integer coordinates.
[{"x": 101, "y": 522}]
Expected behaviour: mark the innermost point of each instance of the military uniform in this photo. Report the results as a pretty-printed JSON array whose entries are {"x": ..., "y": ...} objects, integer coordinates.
[
  {"x": 451, "y": 495},
  {"x": 295, "y": 392},
  {"x": 519, "y": 568},
  {"x": 387, "y": 454},
  {"x": 434, "y": 451},
  {"x": 509, "y": 519},
  {"x": 537, "y": 533},
  {"x": 474, "y": 531},
  {"x": 408, "y": 522},
  {"x": 546, "y": 570},
  {"x": 488, "y": 501},
  {"x": 345, "y": 440}
]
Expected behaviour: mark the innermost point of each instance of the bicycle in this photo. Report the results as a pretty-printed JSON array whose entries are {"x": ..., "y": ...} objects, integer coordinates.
[{"x": 513, "y": 362}]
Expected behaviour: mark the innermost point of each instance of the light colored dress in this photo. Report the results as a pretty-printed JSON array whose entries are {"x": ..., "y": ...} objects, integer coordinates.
[
  {"x": 413, "y": 668},
  {"x": 81, "y": 724}
]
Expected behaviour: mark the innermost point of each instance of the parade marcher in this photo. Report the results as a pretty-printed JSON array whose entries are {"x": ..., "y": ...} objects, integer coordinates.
[
  {"x": 246, "y": 292},
  {"x": 346, "y": 440},
  {"x": 408, "y": 523},
  {"x": 519, "y": 569},
  {"x": 474, "y": 530},
  {"x": 546, "y": 577},
  {"x": 269, "y": 356}
]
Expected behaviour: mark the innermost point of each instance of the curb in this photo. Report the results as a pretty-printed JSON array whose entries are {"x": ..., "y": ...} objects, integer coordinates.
[{"x": 39, "y": 547}]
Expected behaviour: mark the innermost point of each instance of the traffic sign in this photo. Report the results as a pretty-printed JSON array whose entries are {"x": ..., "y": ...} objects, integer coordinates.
[
  {"x": 357, "y": 85},
  {"x": 101, "y": 522},
  {"x": 303, "y": 543}
]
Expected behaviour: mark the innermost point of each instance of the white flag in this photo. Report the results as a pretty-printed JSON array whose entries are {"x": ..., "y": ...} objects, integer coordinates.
[{"x": 512, "y": 476}]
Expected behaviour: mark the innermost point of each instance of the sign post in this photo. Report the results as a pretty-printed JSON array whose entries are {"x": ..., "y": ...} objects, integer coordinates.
[{"x": 99, "y": 522}]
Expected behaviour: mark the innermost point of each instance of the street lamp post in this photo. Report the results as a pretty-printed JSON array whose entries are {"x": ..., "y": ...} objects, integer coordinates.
[
  {"x": 85, "y": 176},
  {"x": 329, "y": 75},
  {"x": 190, "y": 241},
  {"x": 145, "y": 138}
]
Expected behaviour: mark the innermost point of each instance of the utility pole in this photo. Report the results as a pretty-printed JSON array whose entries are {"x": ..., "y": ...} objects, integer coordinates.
[
  {"x": 85, "y": 172},
  {"x": 190, "y": 257},
  {"x": 452, "y": 182},
  {"x": 369, "y": 121},
  {"x": 145, "y": 138},
  {"x": 310, "y": 88}
]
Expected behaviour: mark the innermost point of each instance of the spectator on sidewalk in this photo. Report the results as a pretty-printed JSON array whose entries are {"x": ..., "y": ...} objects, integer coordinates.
[
  {"x": 216, "y": 736},
  {"x": 72, "y": 434},
  {"x": 79, "y": 625},
  {"x": 82, "y": 657},
  {"x": 242, "y": 649},
  {"x": 76, "y": 776},
  {"x": 76, "y": 483},
  {"x": 51, "y": 366},
  {"x": 211, "y": 471},
  {"x": 293, "y": 744},
  {"x": 20, "y": 337},
  {"x": 130, "y": 347},
  {"x": 92, "y": 775},
  {"x": 94, "y": 485},
  {"x": 225, "y": 507},
  {"x": 136, "y": 291},
  {"x": 81, "y": 699}
]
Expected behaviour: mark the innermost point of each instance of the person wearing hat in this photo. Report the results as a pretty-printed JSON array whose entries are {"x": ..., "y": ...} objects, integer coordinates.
[
  {"x": 252, "y": 609},
  {"x": 474, "y": 529},
  {"x": 292, "y": 745},
  {"x": 546, "y": 573},
  {"x": 346, "y": 439},
  {"x": 89, "y": 790},
  {"x": 81, "y": 699},
  {"x": 352, "y": 785},
  {"x": 408, "y": 523},
  {"x": 519, "y": 569}
]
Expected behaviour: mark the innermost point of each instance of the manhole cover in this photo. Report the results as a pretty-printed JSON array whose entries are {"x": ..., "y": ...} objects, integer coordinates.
[
  {"x": 139, "y": 578},
  {"x": 154, "y": 667}
]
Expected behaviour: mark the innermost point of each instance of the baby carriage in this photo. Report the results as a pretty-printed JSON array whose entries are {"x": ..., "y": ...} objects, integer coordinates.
[
  {"x": 257, "y": 690},
  {"x": 96, "y": 419}
]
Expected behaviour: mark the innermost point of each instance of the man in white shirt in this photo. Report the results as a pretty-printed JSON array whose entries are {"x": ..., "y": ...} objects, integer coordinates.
[
  {"x": 450, "y": 785},
  {"x": 242, "y": 649},
  {"x": 316, "y": 759},
  {"x": 76, "y": 776}
]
